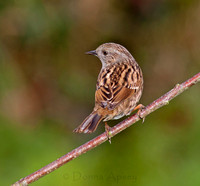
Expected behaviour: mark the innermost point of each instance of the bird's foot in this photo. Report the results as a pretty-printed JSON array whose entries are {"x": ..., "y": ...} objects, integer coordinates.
[
  {"x": 139, "y": 108},
  {"x": 107, "y": 129}
]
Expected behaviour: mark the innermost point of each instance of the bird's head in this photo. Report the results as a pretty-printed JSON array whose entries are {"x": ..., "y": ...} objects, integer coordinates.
[{"x": 110, "y": 53}]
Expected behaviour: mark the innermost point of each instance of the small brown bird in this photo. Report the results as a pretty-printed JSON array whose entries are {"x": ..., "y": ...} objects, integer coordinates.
[{"x": 118, "y": 89}]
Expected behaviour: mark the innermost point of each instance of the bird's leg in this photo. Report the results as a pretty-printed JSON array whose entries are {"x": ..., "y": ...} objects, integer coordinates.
[
  {"x": 139, "y": 108},
  {"x": 107, "y": 129}
]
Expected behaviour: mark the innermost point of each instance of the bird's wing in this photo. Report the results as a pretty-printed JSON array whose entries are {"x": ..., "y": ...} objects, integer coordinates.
[{"x": 116, "y": 84}]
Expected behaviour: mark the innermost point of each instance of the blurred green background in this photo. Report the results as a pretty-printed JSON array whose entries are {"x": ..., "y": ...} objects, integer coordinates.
[{"x": 47, "y": 87}]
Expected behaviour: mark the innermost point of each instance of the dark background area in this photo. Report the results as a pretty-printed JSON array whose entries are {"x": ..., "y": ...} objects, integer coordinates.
[{"x": 47, "y": 87}]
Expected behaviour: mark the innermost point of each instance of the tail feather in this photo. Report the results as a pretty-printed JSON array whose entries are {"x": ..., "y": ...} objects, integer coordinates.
[{"x": 90, "y": 124}]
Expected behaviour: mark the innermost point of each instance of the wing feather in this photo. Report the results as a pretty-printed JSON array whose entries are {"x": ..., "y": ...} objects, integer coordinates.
[{"x": 115, "y": 84}]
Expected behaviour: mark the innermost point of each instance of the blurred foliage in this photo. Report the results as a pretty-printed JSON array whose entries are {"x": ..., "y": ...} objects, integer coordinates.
[{"x": 47, "y": 88}]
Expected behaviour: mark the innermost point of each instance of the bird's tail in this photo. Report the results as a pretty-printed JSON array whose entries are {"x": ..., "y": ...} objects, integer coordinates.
[{"x": 90, "y": 124}]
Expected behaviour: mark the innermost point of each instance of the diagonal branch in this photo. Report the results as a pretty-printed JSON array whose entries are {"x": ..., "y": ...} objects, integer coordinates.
[{"x": 163, "y": 100}]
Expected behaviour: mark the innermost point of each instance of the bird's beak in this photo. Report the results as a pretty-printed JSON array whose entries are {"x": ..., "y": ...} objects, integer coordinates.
[{"x": 92, "y": 52}]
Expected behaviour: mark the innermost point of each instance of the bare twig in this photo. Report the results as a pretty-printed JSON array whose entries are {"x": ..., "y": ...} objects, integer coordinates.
[{"x": 163, "y": 100}]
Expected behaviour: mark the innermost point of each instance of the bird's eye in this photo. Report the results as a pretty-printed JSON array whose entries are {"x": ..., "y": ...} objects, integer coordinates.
[{"x": 105, "y": 53}]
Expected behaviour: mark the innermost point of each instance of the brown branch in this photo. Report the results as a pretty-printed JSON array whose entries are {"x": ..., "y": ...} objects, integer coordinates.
[{"x": 163, "y": 100}]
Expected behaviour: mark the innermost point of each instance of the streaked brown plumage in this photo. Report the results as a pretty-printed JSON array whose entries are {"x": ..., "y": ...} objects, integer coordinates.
[{"x": 119, "y": 86}]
